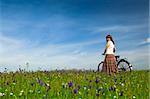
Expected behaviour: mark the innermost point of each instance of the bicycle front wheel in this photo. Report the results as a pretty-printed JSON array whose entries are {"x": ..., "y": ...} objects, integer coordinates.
[
  {"x": 124, "y": 65},
  {"x": 100, "y": 65}
]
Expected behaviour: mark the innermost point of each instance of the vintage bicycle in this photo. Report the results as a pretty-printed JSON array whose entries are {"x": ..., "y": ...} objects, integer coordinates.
[{"x": 122, "y": 64}]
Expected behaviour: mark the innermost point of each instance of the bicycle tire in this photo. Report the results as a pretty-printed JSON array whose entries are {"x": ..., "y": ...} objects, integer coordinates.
[
  {"x": 124, "y": 65},
  {"x": 100, "y": 65}
]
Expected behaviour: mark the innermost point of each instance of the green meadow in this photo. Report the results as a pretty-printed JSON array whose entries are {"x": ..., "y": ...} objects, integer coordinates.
[{"x": 74, "y": 84}]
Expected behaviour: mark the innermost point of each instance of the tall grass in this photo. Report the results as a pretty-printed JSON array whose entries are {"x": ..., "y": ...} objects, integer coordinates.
[{"x": 71, "y": 84}]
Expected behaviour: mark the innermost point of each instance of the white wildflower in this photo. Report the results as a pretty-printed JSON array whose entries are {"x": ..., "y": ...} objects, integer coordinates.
[
  {"x": 115, "y": 97},
  {"x": 47, "y": 84},
  {"x": 134, "y": 97},
  {"x": 3, "y": 94},
  {"x": 11, "y": 93},
  {"x": 122, "y": 84},
  {"x": 96, "y": 90},
  {"x": 21, "y": 91},
  {"x": 84, "y": 88}
]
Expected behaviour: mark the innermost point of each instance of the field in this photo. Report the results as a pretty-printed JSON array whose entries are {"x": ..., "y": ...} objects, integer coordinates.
[{"x": 73, "y": 84}]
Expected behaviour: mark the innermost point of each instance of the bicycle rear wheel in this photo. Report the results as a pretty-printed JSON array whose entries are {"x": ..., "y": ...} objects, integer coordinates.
[
  {"x": 100, "y": 65},
  {"x": 124, "y": 65}
]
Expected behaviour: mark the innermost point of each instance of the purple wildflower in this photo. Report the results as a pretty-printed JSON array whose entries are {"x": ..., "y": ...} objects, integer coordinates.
[
  {"x": 90, "y": 86},
  {"x": 79, "y": 87},
  {"x": 70, "y": 84},
  {"x": 90, "y": 80},
  {"x": 96, "y": 81},
  {"x": 40, "y": 82},
  {"x": 97, "y": 94},
  {"x": 75, "y": 91}
]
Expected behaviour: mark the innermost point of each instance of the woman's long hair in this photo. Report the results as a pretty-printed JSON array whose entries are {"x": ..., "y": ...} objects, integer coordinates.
[{"x": 109, "y": 36}]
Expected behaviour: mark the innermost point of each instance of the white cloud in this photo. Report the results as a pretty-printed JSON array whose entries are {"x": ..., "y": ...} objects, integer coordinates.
[
  {"x": 17, "y": 52},
  {"x": 118, "y": 28},
  {"x": 146, "y": 41}
]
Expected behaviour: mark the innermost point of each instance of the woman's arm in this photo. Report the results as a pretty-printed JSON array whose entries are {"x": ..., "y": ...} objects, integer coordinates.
[{"x": 107, "y": 46}]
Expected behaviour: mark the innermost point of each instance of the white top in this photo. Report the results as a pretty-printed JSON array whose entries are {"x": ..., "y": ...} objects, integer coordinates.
[{"x": 110, "y": 47}]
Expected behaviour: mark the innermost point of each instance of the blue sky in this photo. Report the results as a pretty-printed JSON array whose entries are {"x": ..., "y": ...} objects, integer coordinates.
[{"x": 56, "y": 34}]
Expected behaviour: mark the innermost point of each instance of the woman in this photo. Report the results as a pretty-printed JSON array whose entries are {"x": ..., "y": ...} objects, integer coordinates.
[{"x": 109, "y": 65}]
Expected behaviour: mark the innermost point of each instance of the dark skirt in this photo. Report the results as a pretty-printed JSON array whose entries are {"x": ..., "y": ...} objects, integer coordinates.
[{"x": 109, "y": 65}]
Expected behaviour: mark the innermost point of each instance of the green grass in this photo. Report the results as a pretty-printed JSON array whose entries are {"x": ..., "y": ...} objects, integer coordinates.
[{"x": 93, "y": 85}]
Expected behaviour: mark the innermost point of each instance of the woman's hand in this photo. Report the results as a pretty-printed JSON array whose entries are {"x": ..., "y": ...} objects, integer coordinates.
[{"x": 103, "y": 53}]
